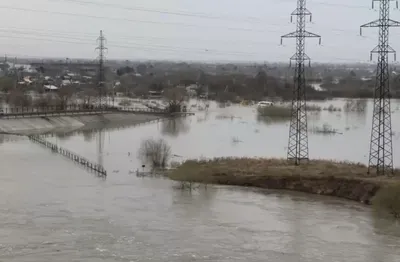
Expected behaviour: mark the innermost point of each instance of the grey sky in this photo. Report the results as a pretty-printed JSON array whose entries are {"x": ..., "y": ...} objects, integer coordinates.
[{"x": 230, "y": 30}]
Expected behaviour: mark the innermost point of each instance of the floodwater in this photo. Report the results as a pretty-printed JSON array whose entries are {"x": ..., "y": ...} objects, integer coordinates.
[{"x": 52, "y": 210}]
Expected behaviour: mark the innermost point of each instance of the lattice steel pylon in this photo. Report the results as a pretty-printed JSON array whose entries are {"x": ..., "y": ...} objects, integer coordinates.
[
  {"x": 381, "y": 148},
  {"x": 298, "y": 135},
  {"x": 101, "y": 77}
]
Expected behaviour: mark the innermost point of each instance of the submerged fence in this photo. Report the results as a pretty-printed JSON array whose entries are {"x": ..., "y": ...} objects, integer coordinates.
[{"x": 98, "y": 169}]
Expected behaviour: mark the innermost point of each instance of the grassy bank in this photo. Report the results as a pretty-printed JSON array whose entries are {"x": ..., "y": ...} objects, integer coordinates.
[{"x": 345, "y": 180}]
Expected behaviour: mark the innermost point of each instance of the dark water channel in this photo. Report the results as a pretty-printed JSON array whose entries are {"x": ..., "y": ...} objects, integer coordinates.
[{"x": 52, "y": 210}]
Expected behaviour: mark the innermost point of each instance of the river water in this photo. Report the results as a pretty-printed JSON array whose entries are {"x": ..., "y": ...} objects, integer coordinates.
[{"x": 52, "y": 210}]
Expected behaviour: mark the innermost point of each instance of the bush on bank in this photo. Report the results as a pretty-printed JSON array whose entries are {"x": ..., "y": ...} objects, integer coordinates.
[
  {"x": 340, "y": 179},
  {"x": 387, "y": 199}
]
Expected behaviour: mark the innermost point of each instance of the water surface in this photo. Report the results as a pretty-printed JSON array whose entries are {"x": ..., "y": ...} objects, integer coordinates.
[{"x": 52, "y": 210}]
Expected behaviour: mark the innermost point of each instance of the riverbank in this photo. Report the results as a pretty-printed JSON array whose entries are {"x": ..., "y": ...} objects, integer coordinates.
[
  {"x": 39, "y": 125},
  {"x": 345, "y": 180}
]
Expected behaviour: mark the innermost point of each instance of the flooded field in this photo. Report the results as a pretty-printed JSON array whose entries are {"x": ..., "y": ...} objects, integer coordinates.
[{"x": 52, "y": 210}]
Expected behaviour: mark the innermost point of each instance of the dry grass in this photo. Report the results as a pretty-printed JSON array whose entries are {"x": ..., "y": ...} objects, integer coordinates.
[
  {"x": 205, "y": 169},
  {"x": 125, "y": 102},
  {"x": 341, "y": 179}
]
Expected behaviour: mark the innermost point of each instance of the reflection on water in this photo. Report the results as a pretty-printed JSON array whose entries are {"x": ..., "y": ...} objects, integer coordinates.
[
  {"x": 176, "y": 126},
  {"x": 272, "y": 120},
  {"x": 10, "y": 138}
]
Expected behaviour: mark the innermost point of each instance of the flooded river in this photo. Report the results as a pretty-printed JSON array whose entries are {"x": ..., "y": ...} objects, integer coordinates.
[{"x": 52, "y": 210}]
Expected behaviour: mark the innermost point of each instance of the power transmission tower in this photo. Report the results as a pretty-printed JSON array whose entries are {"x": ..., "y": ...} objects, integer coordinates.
[
  {"x": 381, "y": 149},
  {"x": 298, "y": 137},
  {"x": 101, "y": 77}
]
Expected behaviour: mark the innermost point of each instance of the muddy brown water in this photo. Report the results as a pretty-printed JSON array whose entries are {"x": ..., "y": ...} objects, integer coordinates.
[{"x": 52, "y": 210}]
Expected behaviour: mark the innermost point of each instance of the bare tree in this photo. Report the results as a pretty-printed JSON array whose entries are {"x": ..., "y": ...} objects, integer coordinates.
[
  {"x": 65, "y": 94},
  {"x": 18, "y": 98},
  {"x": 6, "y": 84},
  {"x": 45, "y": 100},
  {"x": 176, "y": 98},
  {"x": 155, "y": 152},
  {"x": 88, "y": 96}
]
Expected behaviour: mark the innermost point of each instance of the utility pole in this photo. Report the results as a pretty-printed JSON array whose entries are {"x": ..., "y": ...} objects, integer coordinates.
[
  {"x": 381, "y": 148},
  {"x": 15, "y": 73},
  {"x": 298, "y": 134},
  {"x": 101, "y": 77}
]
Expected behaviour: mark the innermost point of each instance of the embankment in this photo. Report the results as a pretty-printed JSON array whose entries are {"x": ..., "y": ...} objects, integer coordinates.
[
  {"x": 328, "y": 178},
  {"x": 29, "y": 126}
]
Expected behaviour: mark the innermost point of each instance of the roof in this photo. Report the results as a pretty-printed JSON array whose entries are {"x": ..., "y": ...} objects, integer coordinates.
[{"x": 50, "y": 87}]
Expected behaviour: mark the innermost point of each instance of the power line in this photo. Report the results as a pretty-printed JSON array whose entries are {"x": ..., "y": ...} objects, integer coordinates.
[
  {"x": 159, "y": 23},
  {"x": 148, "y": 47},
  {"x": 339, "y": 5},
  {"x": 142, "y": 9},
  {"x": 126, "y": 19},
  {"x": 198, "y": 15},
  {"x": 152, "y": 47},
  {"x": 89, "y": 36},
  {"x": 125, "y": 40}
]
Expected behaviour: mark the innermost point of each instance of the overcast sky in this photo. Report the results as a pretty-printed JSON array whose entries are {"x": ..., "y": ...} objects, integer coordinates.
[{"x": 208, "y": 30}]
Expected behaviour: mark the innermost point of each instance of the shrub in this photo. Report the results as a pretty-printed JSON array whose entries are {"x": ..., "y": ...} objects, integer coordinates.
[
  {"x": 332, "y": 108},
  {"x": 325, "y": 129},
  {"x": 313, "y": 108},
  {"x": 155, "y": 152},
  {"x": 125, "y": 102},
  {"x": 387, "y": 200},
  {"x": 357, "y": 105},
  {"x": 274, "y": 111}
]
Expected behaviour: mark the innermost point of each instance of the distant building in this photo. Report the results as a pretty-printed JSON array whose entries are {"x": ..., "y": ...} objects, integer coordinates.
[
  {"x": 50, "y": 88},
  {"x": 155, "y": 94}
]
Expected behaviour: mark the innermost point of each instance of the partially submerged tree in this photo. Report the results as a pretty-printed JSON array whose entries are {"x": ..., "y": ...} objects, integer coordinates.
[
  {"x": 155, "y": 152},
  {"x": 176, "y": 98}
]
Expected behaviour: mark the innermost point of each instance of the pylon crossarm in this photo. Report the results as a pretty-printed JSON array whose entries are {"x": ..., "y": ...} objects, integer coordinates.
[
  {"x": 373, "y": 3},
  {"x": 394, "y": 23},
  {"x": 388, "y": 51},
  {"x": 303, "y": 11},
  {"x": 290, "y": 35},
  {"x": 375, "y": 23},
  {"x": 304, "y": 57},
  {"x": 309, "y": 34}
]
